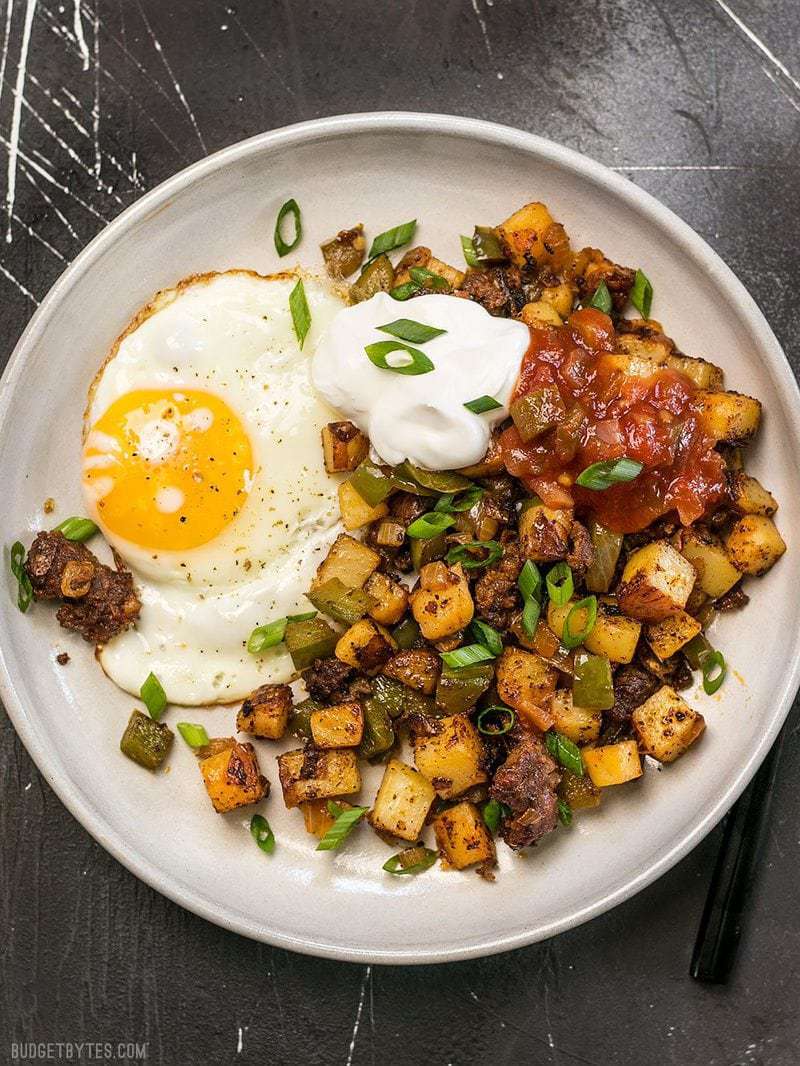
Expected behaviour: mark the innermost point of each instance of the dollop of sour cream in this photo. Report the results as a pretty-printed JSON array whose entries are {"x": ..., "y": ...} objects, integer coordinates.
[{"x": 422, "y": 417}]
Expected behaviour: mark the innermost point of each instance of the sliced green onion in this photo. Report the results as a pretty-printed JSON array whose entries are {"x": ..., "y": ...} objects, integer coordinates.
[
  {"x": 564, "y": 812},
  {"x": 560, "y": 585},
  {"x": 468, "y": 248},
  {"x": 469, "y": 655},
  {"x": 413, "y": 332},
  {"x": 493, "y": 813},
  {"x": 601, "y": 299},
  {"x": 483, "y": 404},
  {"x": 411, "y": 861},
  {"x": 393, "y": 238},
  {"x": 429, "y": 525},
  {"x": 153, "y": 696},
  {"x": 600, "y": 476},
  {"x": 464, "y": 554},
  {"x": 642, "y": 294},
  {"x": 465, "y": 502},
  {"x": 346, "y": 820},
  {"x": 266, "y": 636},
  {"x": 712, "y": 681},
  {"x": 262, "y": 833},
  {"x": 565, "y": 751},
  {"x": 404, "y": 291},
  {"x": 24, "y": 587},
  {"x": 530, "y": 616},
  {"x": 487, "y": 245},
  {"x": 194, "y": 735},
  {"x": 507, "y": 719},
  {"x": 78, "y": 529},
  {"x": 415, "y": 362},
  {"x": 301, "y": 316},
  {"x": 426, "y": 279},
  {"x": 570, "y": 639},
  {"x": 301, "y": 617},
  {"x": 487, "y": 636},
  {"x": 529, "y": 584},
  {"x": 289, "y": 208}
]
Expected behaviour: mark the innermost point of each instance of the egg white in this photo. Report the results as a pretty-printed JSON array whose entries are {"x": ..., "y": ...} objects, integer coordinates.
[{"x": 230, "y": 334}]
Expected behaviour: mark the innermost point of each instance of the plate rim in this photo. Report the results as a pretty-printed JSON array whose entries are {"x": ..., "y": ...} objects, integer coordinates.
[{"x": 93, "y": 820}]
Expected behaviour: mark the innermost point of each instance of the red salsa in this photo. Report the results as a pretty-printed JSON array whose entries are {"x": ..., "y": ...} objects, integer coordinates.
[{"x": 605, "y": 414}]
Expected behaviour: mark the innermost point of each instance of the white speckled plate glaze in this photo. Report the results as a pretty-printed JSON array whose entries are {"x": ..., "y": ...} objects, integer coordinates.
[{"x": 380, "y": 169}]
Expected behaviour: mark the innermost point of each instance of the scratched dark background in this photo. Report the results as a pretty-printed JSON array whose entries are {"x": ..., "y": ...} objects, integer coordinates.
[{"x": 698, "y": 101}]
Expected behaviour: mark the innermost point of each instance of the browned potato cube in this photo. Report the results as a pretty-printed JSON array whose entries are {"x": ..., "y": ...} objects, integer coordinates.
[
  {"x": 704, "y": 375},
  {"x": 343, "y": 446},
  {"x": 391, "y": 597},
  {"x": 524, "y": 679},
  {"x": 612, "y": 764},
  {"x": 754, "y": 544},
  {"x": 417, "y": 667},
  {"x": 670, "y": 635},
  {"x": 366, "y": 646},
  {"x": 403, "y": 801},
  {"x": 265, "y": 712},
  {"x": 750, "y": 497},
  {"x": 716, "y": 573},
  {"x": 531, "y": 231},
  {"x": 452, "y": 275},
  {"x": 653, "y": 347},
  {"x": 560, "y": 297},
  {"x": 544, "y": 533},
  {"x": 656, "y": 582},
  {"x": 312, "y": 775},
  {"x": 578, "y": 723},
  {"x": 462, "y": 836},
  {"x": 540, "y": 313},
  {"x": 614, "y": 635},
  {"x": 442, "y": 605},
  {"x": 452, "y": 759},
  {"x": 356, "y": 512},
  {"x": 348, "y": 560},
  {"x": 232, "y": 778},
  {"x": 729, "y": 416},
  {"x": 341, "y": 726},
  {"x": 665, "y": 725}
]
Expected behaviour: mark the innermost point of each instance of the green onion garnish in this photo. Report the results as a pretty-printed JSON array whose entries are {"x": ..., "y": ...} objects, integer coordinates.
[
  {"x": 709, "y": 664},
  {"x": 429, "y": 525},
  {"x": 411, "y": 861},
  {"x": 563, "y": 749},
  {"x": 393, "y": 238},
  {"x": 642, "y": 294},
  {"x": 301, "y": 316},
  {"x": 404, "y": 291},
  {"x": 465, "y": 502},
  {"x": 413, "y": 332},
  {"x": 570, "y": 639},
  {"x": 301, "y": 617},
  {"x": 489, "y": 725},
  {"x": 426, "y": 279},
  {"x": 493, "y": 813},
  {"x": 78, "y": 529},
  {"x": 153, "y": 696},
  {"x": 194, "y": 735},
  {"x": 469, "y": 655},
  {"x": 601, "y": 299},
  {"x": 24, "y": 587},
  {"x": 487, "y": 636},
  {"x": 483, "y": 404},
  {"x": 262, "y": 833},
  {"x": 529, "y": 584},
  {"x": 564, "y": 812},
  {"x": 530, "y": 616},
  {"x": 464, "y": 554},
  {"x": 413, "y": 360},
  {"x": 346, "y": 821},
  {"x": 271, "y": 634},
  {"x": 601, "y": 476},
  {"x": 560, "y": 585},
  {"x": 289, "y": 208},
  {"x": 468, "y": 248}
]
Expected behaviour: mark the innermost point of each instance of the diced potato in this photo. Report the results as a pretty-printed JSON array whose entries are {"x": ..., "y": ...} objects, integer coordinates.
[
  {"x": 655, "y": 348},
  {"x": 729, "y": 416},
  {"x": 632, "y": 366},
  {"x": 419, "y": 256},
  {"x": 531, "y": 231},
  {"x": 442, "y": 605},
  {"x": 417, "y": 667},
  {"x": 665, "y": 725},
  {"x": 560, "y": 297},
  {"x": 612, "y": 764},
  {"x": 754, "y": 544},
  {"x": 540, "y": 313},
  {"x": 716, "y": 573},
  {"x": 462, "y": 836},
  {"x": 403, "y": 801},
  {"x": 578, "y": 723},
  {"x": 750, "y": 497},
  {"x": 526, "y": 682},
  {"x": 341, "y": 726},
  {"x": 349, "y": 560},
  {"x": 391, "y": 597},
  {"x": 366, "y": 646},
  {"x": 232, "y": 778},
  {"x": 307, "y": 775},
  {"x": 544, "y": 533},
  {"x": 316, "y": 817},
  {"x": 670, "y": 635},
  {"x": 265, "y": 712},
  {"x": 356, "y": 512},
  {"x": 614, "y": 635},
  {"x": 343, "y": 446},
  {"x": 704, "y": 375},
  {"x": 656, "y": 582},
  {"x": 452, "y": 759},
  {"x": 492, "y": 462},
  {"x": 450, "y": 274}
]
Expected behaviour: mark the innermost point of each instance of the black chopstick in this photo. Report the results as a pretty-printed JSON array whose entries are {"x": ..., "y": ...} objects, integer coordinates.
[{"x": 745, "y": 828}]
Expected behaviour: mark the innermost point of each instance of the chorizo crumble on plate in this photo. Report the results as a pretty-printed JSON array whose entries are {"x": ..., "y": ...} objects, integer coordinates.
[{"x": 525, "y": 623}]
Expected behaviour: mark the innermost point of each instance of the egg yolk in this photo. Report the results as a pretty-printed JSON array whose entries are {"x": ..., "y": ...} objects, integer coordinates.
[{"x": 167, "y": 469}]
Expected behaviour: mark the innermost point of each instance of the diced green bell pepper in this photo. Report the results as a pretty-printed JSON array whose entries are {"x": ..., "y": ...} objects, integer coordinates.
[
  {"x": 309, "y": 640},
  {"x": 592, "y": 684},
  {"x": 146, "y": 741},
  {"x": 341, "y": 603},
  {"x": 459, "y": 689}
]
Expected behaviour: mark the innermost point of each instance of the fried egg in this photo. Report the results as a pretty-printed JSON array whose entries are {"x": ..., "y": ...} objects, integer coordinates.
[{"x": 203, "y": 468}]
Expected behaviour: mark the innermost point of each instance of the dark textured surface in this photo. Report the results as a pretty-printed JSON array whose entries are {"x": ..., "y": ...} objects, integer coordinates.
[{"x": 678, "y": 96}]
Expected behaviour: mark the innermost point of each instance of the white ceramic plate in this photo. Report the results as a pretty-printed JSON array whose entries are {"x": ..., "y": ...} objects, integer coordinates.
[{"x": 381, "y": 169}]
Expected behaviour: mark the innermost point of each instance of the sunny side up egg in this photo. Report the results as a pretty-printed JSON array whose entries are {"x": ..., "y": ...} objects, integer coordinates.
[{"x": 203, "y": 468}]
